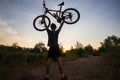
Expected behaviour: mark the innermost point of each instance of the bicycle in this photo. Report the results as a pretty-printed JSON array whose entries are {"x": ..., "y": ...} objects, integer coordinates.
[{"x": 70, "y": 15}]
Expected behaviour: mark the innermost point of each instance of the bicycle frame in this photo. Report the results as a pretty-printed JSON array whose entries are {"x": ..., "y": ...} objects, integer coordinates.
[
  {"x": 58, "y": 12},
  {"x": 56, "y": 15}
]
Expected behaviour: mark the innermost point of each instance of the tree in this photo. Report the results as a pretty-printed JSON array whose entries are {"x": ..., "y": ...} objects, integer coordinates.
[
  {"x": 111, "y": 41},
  {"x": 88, "y": 49},
  {"x": 61, "y": 48},
  {"x": 110, "y": 50},
  {"x": 71, "y": 48},
  {"x": 15, "y": 45},
  {"x": 78, "y": 50},
  {"x": 78, "y": 45},
  {"x": 40, "y": 48},
  {"x": 115, "y": 40}
]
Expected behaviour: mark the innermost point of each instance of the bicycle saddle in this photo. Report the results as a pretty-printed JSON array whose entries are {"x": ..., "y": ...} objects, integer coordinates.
[{"x": 61, "y": 4}]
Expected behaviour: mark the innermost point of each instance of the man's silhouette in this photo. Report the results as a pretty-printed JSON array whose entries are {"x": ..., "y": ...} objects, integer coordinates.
[{"x": 54, "y": 51}]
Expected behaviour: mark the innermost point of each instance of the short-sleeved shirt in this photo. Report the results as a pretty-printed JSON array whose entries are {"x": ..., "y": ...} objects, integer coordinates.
[{"x": 53, "y": 37}]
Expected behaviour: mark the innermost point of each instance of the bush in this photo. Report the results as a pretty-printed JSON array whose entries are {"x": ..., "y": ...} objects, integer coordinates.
[
  {"x": 71, "y": 55},
  {"x": 75, "y": 54},
  {"x": 112, "y": 57}
]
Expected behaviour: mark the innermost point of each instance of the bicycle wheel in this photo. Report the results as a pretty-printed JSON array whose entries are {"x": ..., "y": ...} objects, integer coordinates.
[
  {"x": 38, "y": 22},
  {"x": 71, "y": 15}
]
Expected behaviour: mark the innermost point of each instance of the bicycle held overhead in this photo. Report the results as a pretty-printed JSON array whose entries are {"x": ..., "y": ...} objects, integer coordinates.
[{"x": 70, "y": 15}]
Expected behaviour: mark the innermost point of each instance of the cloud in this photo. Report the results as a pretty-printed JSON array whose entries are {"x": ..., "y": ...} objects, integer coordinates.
[
  {"x": 6, "y": 30},
  {"x": 8, "y": 36}
]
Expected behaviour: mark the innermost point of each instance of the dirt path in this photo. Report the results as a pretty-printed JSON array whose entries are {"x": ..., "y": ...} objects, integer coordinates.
[{"x": 92, "y": 68}]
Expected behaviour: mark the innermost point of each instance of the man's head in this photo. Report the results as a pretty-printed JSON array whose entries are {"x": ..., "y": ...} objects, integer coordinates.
[{"x": 53, "y": 26}]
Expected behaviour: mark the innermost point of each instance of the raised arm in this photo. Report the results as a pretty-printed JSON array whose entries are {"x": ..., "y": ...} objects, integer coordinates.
[
  {"x": 45, "y": 25},
  {"x": 61, "y": 25}
]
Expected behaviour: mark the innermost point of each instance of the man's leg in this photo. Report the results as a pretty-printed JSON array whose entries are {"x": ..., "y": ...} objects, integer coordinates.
[
  {"x": 48, "y": 68},
  {"x": 63, "y": 77},
  {"x": 59, "y": 60}
]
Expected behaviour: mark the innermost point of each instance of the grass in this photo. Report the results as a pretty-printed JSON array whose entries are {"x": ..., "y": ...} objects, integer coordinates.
[{"x": 20, "y": 58}]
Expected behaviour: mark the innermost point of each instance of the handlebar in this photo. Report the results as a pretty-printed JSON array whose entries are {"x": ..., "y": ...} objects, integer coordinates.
[{"x": 44, "y": 3}]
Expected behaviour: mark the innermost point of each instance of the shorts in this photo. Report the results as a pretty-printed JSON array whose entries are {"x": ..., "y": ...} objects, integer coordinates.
[{"x": 54, "y": 51}]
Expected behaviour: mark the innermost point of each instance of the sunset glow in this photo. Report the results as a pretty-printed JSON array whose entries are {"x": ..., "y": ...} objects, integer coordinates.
[{"x": 99, "y": 19}]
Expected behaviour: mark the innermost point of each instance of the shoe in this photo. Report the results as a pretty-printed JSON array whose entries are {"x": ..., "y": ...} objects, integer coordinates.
[
  {"x": 65, "y": 78},
  {"x": 45, "y": 78}
]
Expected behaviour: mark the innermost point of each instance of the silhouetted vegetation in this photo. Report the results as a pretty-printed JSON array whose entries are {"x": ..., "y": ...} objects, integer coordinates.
[
  {"x": 39, "y": 48},
  {"x": 110, "y": 50},
  {"x": 16, "y": 55},
  {"x": 80, "y": 51}
]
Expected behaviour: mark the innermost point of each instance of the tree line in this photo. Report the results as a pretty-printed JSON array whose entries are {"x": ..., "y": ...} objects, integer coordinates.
[{"x": 109, "y": 49}]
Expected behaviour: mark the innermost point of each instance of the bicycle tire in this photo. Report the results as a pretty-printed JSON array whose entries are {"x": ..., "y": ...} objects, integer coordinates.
[
  {"x": 69, "y": 10},
  {"x": 40, "y": 25}
]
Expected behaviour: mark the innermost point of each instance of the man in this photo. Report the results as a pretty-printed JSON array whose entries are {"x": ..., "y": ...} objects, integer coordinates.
[{"x": 54, "y": 51}]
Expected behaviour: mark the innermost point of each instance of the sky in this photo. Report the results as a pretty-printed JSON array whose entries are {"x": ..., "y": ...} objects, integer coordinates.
[{"x": 98, "y": 19}]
